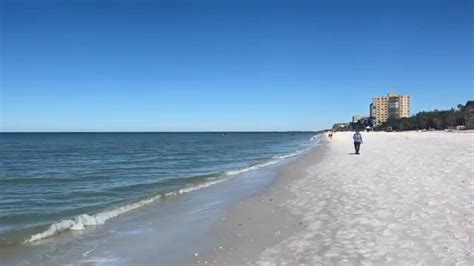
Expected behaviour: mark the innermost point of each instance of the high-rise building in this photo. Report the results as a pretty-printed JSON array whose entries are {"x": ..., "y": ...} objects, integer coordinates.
[{"x": 392, "y": 106}]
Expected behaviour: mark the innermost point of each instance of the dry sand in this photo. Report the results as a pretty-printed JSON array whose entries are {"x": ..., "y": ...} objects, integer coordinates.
[{"x": 407, "y": 199}]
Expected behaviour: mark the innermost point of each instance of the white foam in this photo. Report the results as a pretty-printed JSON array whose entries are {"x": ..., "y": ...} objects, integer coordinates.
[
  {"x": 83, "y": 221},
  {"x": 200, "y": 186},
  {"x": 286, "y": 156},
  {"x": 315, "y": 141},
  {"x": 276, "y": 159},
  {"x": 251, "y": 168},
  {"x": 194, "y": 188}
]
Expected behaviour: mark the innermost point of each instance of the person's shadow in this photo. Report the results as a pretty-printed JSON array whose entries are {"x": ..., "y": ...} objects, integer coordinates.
[{"x": 353, "y": 153}]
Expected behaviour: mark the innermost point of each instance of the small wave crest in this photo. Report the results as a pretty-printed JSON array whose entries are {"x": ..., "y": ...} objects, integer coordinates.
[
  {"x": 83, "y": 221},
  {"x": 194, "y": 188},
  {"x": 316, "y": 137},
  {"x": 286, "y": 156},
  {"x": 276, "y": 159},
  {"x": 251, "y": 168}
]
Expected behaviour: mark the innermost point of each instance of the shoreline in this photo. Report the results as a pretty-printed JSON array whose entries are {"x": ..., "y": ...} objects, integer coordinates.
[
  {"x": 407, "y": 199},
  {"x": 182, "y": 219},
  {"x": 163, "y": 188},
  {"x": 262, "y": 220}
]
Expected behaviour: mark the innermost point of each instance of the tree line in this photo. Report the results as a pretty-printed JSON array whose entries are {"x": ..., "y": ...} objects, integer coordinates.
[{"x": 437, "y": 119}]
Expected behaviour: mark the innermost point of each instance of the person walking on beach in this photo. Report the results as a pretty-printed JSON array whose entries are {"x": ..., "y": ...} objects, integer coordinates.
[{"x": 357, "y": 141}]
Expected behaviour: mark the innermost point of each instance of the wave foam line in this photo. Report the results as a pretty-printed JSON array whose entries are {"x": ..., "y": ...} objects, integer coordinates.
[
  {"x": 316, "y": 137},
  {"x": 286, "y": 156},
  {"x": 276, "y": 159},
  {"x": 251, "y": 168},
  {"x": 83, "y": 221}
]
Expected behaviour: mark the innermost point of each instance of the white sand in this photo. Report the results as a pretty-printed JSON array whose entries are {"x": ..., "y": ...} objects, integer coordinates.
[{"x": 407, "y": 199}]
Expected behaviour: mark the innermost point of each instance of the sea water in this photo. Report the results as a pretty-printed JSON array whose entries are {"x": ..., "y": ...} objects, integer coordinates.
[{"x": 51, "y": 183}]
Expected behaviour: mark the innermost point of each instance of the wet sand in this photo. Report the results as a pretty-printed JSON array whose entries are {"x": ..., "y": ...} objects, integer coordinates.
[{"x": 260, "y": 221}]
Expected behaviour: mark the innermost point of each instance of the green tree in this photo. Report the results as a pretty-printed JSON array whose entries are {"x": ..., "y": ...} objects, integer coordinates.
[{"x": 437, "y": 119}]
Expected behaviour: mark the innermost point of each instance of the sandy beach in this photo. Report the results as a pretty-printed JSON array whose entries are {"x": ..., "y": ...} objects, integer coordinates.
[{"x": 407, "y": 199}]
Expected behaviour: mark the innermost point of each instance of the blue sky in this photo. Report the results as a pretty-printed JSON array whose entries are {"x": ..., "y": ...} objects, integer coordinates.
[{"x": 226, "y": 65}]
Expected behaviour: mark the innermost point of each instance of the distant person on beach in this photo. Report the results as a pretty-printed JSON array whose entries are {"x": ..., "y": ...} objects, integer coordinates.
[
  {"x": 357, "y": 141},
  {"x": 330, "y": 134}
]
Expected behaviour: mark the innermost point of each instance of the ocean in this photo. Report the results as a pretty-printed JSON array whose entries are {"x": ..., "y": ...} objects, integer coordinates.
[{"x": 53, "y": 183}]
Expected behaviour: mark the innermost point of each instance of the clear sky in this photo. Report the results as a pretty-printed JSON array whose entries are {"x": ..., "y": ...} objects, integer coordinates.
[{"x": 226, "y": 65}]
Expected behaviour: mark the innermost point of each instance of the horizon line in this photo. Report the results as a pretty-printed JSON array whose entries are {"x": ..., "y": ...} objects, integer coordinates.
[{"x": 210, "y": 131}]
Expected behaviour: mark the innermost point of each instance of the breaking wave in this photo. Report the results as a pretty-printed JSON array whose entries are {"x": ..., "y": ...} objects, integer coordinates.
[{"x": 83, "y": 221}]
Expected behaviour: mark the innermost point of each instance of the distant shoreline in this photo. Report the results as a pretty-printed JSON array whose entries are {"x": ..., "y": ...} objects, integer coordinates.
[{"x": 159, "y": 132}]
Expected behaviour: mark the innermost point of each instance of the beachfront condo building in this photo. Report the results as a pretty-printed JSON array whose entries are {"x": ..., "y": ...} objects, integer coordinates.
[{"x": 392, "y": 106}]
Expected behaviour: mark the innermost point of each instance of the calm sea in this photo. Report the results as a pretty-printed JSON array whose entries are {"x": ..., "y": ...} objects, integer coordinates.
[{"x": 53, "y": 182}]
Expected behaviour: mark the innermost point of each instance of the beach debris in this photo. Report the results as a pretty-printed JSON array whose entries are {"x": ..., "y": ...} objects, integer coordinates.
[
  {"x": 220, "y": 247},
  {"x": 240, "y": 224},
  {"x": 223, "y": 218},
  {"x": 271, "y": 199},
  {"x": 196, "y": 254}
]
